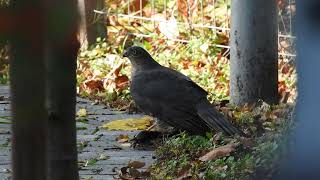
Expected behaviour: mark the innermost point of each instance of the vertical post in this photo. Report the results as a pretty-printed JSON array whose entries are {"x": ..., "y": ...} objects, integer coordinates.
[
  {"x": 27, "y": 81},
  {"x": 254, "y": 51},
  {"x": 304, "y": 159},
  {"x": 63, "y": 48},
  {"x": 92, "y": 24}
]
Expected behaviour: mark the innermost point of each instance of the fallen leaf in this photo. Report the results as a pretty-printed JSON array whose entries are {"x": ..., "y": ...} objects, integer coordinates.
[
  {"x": 122, "y": 138},
  {"x": 129, "y": 124},
  {"x": 103, "y": 157},
  {"x": 185, "y": 172},
  {"x": 246, "y": 142},
  {"x": 184, "y": 7},
  {"x": 92, "y": 85},
  {"x": 82, "y": 112},
  {"x": 125, "y": 144},
  {"x": 121, "y": 82},
  {"x": 115, "y": 81},
  {"x": 136, "y": 164},
  {"x": 219, "y": 152},
  {"x": 134, "y": 173}
]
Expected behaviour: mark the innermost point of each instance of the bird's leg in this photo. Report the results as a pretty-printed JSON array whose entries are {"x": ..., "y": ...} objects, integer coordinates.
[
  {"x": 161, "y": 127},
  {"x": 153, "y": 135}
]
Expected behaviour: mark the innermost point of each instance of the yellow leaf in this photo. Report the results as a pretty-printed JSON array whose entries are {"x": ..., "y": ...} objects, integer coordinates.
[
  {"x": 129, "y": 124},
  {"x": 82, "y": 112}
]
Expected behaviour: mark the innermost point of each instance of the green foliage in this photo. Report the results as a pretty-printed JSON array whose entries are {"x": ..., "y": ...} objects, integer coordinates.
[
  {"x": 4, "y": 64},
  {"x": 248, "y": 161}
]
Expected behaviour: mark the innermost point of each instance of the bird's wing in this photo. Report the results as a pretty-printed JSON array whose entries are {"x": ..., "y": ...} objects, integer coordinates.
[
  {"x": 169, "y": 96},
  {"x": 166, "y": 86}
]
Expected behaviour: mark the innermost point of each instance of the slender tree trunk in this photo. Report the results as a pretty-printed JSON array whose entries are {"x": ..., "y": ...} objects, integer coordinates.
[
  {"x": 92, "y": 24},
  {"x": 62, "y": 55},
  {"x": 304, "y": 159},
  {"x": 27, "y": 80},
  {"x": 254, "y": 51}
]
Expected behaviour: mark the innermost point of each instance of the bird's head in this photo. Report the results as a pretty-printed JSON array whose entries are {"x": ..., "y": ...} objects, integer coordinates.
[
  {"x": 139, "y": 56},
  {"x": 134, "y": 52}
]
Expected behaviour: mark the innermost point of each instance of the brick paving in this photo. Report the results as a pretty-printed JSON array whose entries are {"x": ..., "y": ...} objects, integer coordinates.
[{"x": 99, "y": 153}]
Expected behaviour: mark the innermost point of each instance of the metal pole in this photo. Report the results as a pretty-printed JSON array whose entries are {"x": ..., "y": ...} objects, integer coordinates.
[{"x": 254, "y": 51}]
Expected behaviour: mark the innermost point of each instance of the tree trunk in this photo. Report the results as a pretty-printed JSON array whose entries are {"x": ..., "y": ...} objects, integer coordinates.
[
  {"x": 62, "y": 55},
  {"x": 92, "y": 24},
  {"x": 304, "y": 160},
  {"x": 27, "y": 81},
  {"x": 254, "y": 51}
]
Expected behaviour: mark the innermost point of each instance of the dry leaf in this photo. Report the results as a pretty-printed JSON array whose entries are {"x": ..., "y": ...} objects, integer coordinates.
[
  {"x": 125, "y": 145},
  {"x": 246, "y": 142},
  {"x": 136, "y": 164},
  {"x": 219, "y": 152},
  {"x": 137, "y": 5},
  {"x": 185, "y": 172},
  {"x": 115, "y": 81},
  {"x": 122, "y": 138},
  {"x": 82, "y": 112},
  {"x": 134, "y": 173},
  {"x": 103, "y": 157},
  {"x": 92, "y": 85},
  {"x": 129, "y": 124},
  {"x": 186, "y": 6}
]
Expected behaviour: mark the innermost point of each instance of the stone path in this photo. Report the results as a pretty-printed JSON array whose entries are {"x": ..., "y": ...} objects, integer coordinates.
[{"x": 99, "y": 153}]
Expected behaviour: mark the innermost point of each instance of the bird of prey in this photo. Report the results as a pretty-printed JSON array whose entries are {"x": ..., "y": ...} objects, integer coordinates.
[{"x": 172, "y": 97}]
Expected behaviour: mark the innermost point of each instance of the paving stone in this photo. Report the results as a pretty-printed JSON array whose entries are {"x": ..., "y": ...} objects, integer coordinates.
[
  {"x": 99, "y": 141},
  {"x": 96, "y": 177}
]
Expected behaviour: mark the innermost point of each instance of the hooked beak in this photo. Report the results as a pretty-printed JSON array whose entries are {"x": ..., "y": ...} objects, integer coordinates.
[{"x": 125, "y": 54}]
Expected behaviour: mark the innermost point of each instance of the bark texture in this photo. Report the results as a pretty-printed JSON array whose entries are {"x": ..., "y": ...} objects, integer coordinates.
[
  {"x": 62, "y": 55},
  {"x": 93, "y": 25},
  {"x": 27, "y": 81}
]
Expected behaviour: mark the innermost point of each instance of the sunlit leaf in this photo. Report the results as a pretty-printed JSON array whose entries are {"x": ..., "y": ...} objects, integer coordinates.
[
  {"x": 82, "y": 112},
  {"x": 129, "y": 124}
]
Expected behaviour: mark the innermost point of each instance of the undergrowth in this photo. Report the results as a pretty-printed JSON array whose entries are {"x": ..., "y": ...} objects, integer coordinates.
[{"x": 256, "y": 158}]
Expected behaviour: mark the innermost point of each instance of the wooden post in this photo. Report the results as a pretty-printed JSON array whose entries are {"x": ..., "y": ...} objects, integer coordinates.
[
  {"x": 92, "y": 24},
  {"x": 63, "y": 48},
  {"x": 27, "y": 81}
]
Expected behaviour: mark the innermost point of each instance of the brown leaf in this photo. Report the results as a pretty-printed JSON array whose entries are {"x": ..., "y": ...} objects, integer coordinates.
[
  {"x": 136, "y": 164},
  {"x": 115, "y": 81},
  {"x": 186, "y": 64},
  {"x": 219, "y": 152},
  {"x": 184, "y": 9},
  {"x": 185, "y": 172},
  {"x": 134, "y": 173},
  {"x": 122, "y": 138},
  {"x": 92, "y": 85},
  {"x": 122, "y": 82},
  {"x": 246, "y": 142},
  {"x": 147, "y": 11},
  {"x": 248, "y": 107},
  {"x": 136, "y": 6}
]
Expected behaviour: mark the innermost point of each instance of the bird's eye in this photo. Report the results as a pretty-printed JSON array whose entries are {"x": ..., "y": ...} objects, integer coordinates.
[{"x": 134, "y": 52}]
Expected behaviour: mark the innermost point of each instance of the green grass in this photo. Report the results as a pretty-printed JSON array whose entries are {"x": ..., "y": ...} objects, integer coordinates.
[{"x": 182, "y": 152}]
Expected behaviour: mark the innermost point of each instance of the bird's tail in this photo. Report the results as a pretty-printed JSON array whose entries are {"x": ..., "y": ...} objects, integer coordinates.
[{"x": 215, "y": 120}]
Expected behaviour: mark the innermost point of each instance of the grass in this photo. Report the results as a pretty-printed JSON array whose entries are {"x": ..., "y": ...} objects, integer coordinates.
[{"x": 179, "y": 156}]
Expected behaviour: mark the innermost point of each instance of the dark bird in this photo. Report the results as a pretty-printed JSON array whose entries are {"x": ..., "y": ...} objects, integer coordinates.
[{"x": 172, "y": 97}]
